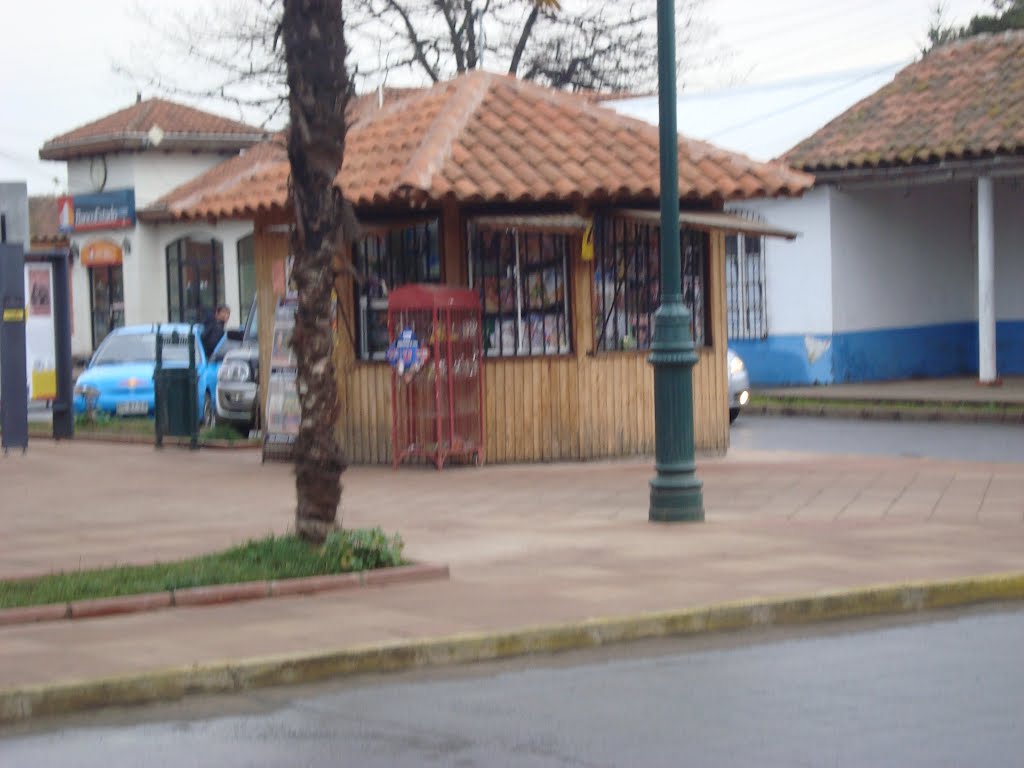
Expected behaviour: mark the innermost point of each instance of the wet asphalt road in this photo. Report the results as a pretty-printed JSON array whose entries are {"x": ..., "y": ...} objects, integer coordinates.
[
  {"x": 966, "y": 442},
  {"x": 945, "y": 692}
]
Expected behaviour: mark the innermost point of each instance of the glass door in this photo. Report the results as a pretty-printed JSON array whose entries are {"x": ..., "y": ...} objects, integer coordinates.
[{"x": 107, "y": 296}]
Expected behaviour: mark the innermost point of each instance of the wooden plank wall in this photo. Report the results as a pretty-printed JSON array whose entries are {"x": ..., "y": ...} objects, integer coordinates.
[{"x": 569, "y": 407}]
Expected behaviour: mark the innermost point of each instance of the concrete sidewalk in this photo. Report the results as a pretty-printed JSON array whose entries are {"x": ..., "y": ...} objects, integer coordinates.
[{"x": 527, "y": 545}]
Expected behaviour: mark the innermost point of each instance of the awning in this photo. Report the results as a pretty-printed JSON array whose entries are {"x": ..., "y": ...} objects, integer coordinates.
[
  {"x": 568, "y": 223},
  {"x": 730, "y": 223}
]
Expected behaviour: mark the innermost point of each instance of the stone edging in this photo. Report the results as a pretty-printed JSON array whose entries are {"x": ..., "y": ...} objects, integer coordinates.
[
  {"x": 221, "y": 593},
  {"x": 877, "y": 412},
  {"x": 63, "y": 698}
]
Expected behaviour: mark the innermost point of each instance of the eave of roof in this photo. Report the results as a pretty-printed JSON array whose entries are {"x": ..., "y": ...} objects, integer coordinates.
[{"x": 136, "y": 142}]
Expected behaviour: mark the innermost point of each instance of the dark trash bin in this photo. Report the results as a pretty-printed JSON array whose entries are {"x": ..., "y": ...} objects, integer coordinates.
[
  {"x": 176, "y": 409},
  {"x": 174, "y": 391}
]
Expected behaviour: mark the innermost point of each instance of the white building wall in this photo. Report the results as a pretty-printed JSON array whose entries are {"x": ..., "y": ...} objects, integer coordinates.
[
  {"x": 81, "y": 320},
  {"x": 144, "y": 271},
  {"x": 120, "y": 174},
  {"x": 156, "y": 174},
  {"x": 903, "y": 257},
  {"x": 1009, "y": 212},
  {"x": 152, "y": 262},
  {"x": 144, "y": 267},
  {"x": 798, "y": 273}
]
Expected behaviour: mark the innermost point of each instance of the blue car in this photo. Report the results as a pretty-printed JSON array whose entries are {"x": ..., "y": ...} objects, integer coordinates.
[{"x": 119, "y": 378}]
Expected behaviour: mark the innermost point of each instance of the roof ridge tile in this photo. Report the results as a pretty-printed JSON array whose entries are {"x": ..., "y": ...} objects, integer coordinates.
[{"x": 435, "y": 147}]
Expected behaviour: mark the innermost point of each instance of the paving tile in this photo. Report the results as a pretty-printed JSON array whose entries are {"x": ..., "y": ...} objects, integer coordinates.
[{"x": 586, "y": 551}]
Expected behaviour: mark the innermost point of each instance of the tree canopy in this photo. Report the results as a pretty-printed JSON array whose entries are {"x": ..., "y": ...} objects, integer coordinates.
[{"x": 1007, "y": 15}]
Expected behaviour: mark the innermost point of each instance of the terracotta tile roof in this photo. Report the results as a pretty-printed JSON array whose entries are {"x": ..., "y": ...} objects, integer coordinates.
[
  {"x": 42, "y": 222},
  {"x": 485, "y": 137},
  {"x": 254, "y": 181},
  {"x": 128, "y": 129},
  {"x": 963, "y": 100}
]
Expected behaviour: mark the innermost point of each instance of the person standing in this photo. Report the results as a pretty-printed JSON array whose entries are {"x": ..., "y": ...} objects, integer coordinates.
[{"x": 213, "y": 329}]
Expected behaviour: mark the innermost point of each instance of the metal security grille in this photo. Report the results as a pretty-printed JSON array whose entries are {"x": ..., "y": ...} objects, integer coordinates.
[
  {"x": 387, "y": 259},
  {"x": 627, "y": 282},
  {"x": 745, "y": 287},
  {"x": 522, "y": 278}
]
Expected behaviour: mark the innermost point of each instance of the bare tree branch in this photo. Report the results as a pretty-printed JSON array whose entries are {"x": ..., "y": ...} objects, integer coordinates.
[{"x": 575, "y": 44}]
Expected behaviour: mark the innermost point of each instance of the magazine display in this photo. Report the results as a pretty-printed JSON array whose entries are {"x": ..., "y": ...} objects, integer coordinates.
[{"x": 283, "y": 410}]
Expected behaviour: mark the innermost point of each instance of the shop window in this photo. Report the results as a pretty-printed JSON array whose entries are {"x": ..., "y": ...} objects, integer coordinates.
[
  {"x": 522, "y": 277},
  {"x": 195, "y": 279},
  {"x": 385, "y": 259},
  {"x": 246, "y": 275},
  {"x": 627, "y": 282},
  {"x": 744, "y": 285}
]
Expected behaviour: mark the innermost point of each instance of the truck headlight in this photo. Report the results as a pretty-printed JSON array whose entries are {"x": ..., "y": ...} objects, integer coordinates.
[{"x": 235, "y": 370}]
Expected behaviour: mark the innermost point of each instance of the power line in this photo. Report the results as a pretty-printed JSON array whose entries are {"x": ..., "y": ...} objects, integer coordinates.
[{"x": 802, "y": 102}]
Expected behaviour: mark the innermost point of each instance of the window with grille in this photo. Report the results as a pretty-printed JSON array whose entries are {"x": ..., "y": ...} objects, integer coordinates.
[
  {"x": 744, "y": 285},
  {"x": 522, "y": 277},
  {"x": 627, "y": 283},
  {"x": 385, "y": 259}
]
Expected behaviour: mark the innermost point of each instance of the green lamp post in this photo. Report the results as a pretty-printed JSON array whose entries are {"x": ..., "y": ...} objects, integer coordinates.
[{"x": 676, "y": 494}]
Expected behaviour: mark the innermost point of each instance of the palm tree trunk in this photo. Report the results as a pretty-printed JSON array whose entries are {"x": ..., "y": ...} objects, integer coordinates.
[{"x": 313, "y": 35}]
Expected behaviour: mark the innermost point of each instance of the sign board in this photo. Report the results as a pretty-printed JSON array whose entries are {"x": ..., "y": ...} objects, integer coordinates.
[
  {"x": 102, "y": 253},
  {"x": 102, "y": 210},
  {"x": 406, "y": 355}
]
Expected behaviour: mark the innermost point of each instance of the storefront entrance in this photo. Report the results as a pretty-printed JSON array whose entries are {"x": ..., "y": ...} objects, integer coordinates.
[
  {"x": 107, "y": 292},
  {"x": 106, "y": 288}
]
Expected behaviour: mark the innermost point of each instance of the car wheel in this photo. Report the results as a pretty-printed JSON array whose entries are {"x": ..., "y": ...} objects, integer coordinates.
[
  {"x": 209, "y": 418},
  {"x": 733, "y": 413}
]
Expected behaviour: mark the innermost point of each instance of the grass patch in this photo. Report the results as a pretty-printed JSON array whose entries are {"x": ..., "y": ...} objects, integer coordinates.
[
  {"x": 283, "y": 557},
  {"x": 105, "y": 424},
  {"x": 100, "y": 423},
  {"x": 222, "y": 432}
]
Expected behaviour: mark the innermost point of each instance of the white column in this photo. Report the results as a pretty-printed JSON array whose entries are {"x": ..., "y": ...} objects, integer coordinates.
[{"x": 986, "y": 283}]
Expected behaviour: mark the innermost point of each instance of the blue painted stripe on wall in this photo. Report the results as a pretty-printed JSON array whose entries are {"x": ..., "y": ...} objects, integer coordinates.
[
  {"x": 929, "y": 351},
  {"x": 1009, "y": 347}
]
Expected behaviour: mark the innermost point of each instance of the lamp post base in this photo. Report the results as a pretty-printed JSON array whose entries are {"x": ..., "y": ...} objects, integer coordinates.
[{"x": 676, "y": 500}]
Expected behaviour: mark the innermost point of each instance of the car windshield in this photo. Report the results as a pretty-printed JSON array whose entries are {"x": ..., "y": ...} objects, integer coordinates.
[{"x": 140, "y": 348}]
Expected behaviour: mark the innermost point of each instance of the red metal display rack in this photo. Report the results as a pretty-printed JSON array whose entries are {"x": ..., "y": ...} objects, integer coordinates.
[{"x": 437, "y": 383}]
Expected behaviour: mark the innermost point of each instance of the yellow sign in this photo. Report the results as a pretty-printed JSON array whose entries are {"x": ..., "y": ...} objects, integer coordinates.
[
  {"x": 102, "y": 253},
  {"x": 587, "y": 249},
  {"x": 44, "y": 385},
  {"x": 15, "y": 315}
]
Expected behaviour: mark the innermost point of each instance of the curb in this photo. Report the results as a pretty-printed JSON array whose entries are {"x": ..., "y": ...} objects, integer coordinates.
[
  {"x": 242, "y": 444},
  {"x": 221, "y": 593},
  {"x": 20, "y": 704},
  {"x": 873, "y": 412}
]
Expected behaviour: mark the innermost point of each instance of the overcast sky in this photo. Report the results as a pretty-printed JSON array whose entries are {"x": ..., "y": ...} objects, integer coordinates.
[{"x": 57, "y": 57}]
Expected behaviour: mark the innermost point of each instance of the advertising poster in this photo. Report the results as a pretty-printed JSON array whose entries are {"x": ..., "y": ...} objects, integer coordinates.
[
  {"x": 39, "y": 291},
  {"x": 40, "y": 354}
]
